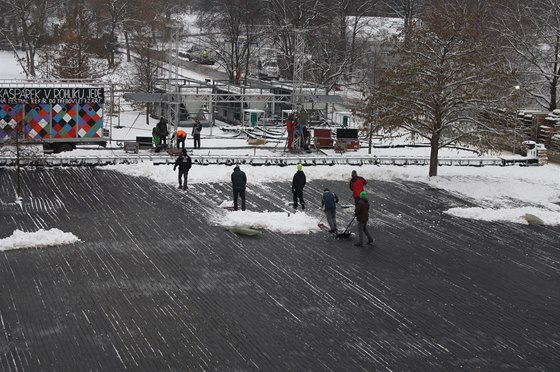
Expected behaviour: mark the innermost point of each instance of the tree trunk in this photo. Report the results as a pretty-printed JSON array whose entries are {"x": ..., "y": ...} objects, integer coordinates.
[
  {"x": 554, "y": 82},
  {"x": 127, "y": 46},
  {"x": 553, "y": 97},
  {"x": 148, "y": 113},
  {"x": 434, "y": 151},
  {"x": 370, "y": 138}
]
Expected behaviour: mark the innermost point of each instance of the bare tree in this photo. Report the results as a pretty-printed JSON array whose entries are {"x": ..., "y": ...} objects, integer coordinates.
[
  {"x": 146, "y": 62},
  {"x": 449, "y": 83},
  {"x": 73, "y": 60},
  {"x": 29, "y": 27},
  {"x": 233, "y": 29},
  {"x": 408, "y": 10},
  {"x": 333, "y": 51},
  {"x": 287, "y": 16},
  {"x": 531, "y": 30},
  {"x": 110, "y": 17}
]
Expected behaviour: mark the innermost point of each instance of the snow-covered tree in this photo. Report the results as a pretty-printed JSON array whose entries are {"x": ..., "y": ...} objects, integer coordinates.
[
  {"x": 531, "y": 30},
  {"x": 336, "y": 52},
  {"x": 449, "y": 83}
]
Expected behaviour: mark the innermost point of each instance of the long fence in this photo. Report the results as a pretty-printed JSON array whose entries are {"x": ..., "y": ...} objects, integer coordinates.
[{"x": 158, "y": 159}]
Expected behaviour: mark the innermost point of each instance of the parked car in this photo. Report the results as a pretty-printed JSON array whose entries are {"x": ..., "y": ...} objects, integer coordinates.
[
  {"x": 185, "y": 54},
  {"x": 270, "y": 70},
  {"x": 200, "y": 56}
]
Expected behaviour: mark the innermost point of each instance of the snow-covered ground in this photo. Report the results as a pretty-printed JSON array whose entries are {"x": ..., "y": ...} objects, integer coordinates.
[{"x": 501, "y": 193}]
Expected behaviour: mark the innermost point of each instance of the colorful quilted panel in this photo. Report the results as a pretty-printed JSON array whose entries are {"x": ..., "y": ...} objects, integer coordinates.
[
  {"x": 90, "y": 120},
  {"x": 37, "y": 121},
  {"x": 10, "y": 116},
  {"x": 64, "y": 121}
]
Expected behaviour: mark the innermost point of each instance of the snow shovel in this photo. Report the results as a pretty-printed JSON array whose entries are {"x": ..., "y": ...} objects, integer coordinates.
[
  {"x": 346, "y": 234},
  {"x": 322, "y": 226}
]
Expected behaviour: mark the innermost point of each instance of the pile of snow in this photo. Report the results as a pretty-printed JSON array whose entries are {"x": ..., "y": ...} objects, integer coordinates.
[
  {"x": 282, "y": 222},
  {"x": 518, "y": 215},
  {"x": 10, "y": 67},
  {"x": 41, "y": 238}
]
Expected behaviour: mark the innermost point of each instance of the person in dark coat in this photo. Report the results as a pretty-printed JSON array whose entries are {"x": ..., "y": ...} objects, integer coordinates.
[
  {"x": 162, "y": 132},
  {"x": 357, "y": 184},
  {"x": 328, "y": 202},
  {"x": 362, "y": 215},
  {"x": 197, "y": 128},
  {"x": 298, "y": 183},
  {"x": 184, "y": 163},
  {"x": 238, "y": 183}
]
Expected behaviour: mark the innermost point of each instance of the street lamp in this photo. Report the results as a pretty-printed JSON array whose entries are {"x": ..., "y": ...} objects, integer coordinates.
[{"x": 517, "y": 88}]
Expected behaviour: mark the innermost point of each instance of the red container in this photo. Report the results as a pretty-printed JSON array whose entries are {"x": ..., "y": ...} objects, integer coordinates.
[{"x": 322, "y": 138}]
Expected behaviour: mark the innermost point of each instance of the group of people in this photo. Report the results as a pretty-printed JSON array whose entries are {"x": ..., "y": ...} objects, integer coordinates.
[
  {"x": 160, "y": 133},
  {"x": 329, "y": 199},
  {"x": 298, "y": 134}
]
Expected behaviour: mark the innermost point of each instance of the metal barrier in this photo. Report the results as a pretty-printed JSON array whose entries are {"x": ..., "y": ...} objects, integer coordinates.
[{"x": 258, "y": 160}]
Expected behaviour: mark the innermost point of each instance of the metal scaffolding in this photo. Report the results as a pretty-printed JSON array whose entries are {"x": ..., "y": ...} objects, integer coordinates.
[
  {"x": 173, "y": 107},
  {"x": 299, "y": 63}
]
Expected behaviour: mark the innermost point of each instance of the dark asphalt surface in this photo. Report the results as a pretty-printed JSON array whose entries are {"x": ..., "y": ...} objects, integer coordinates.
[{"x": 153, "y": 286}]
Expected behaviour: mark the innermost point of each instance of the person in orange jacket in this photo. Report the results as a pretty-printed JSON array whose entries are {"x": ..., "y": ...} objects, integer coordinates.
[
  {"x": 357, "y": 184},
  {"x": 181, "y": 138}
]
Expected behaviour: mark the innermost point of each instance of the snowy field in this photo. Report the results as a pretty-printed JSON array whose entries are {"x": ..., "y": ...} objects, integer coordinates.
[{"x": 511, "y": 193}]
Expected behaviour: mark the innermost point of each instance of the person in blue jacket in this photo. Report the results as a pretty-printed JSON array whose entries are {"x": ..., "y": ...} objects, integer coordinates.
[{"x": 328, "y": 202}]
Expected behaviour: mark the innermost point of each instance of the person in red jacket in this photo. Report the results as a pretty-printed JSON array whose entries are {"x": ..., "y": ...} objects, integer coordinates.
[
  {"x": 290, "y": 126},
  {"x": 357, "y": 184}
]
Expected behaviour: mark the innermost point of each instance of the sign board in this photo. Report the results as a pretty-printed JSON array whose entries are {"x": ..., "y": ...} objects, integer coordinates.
[
  {"x": 53, "y": 113},
  {"x": 347, "y": 133},
  {"x": 14, "y": 96}
]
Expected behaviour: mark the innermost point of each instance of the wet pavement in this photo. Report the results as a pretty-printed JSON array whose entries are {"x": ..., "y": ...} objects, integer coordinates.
[{"x": 154, "y": 285}]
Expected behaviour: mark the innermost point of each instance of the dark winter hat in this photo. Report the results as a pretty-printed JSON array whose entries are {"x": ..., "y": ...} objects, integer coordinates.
[
  {"x": 236, "y": 167},
  {"x": 184, "y": 151},
  {"x": 363, "y": 194},
  {"x": 326, "y": 189}
]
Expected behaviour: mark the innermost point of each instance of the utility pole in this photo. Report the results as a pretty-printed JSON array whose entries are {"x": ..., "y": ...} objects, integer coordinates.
[{"x": 173, "y": 104}]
